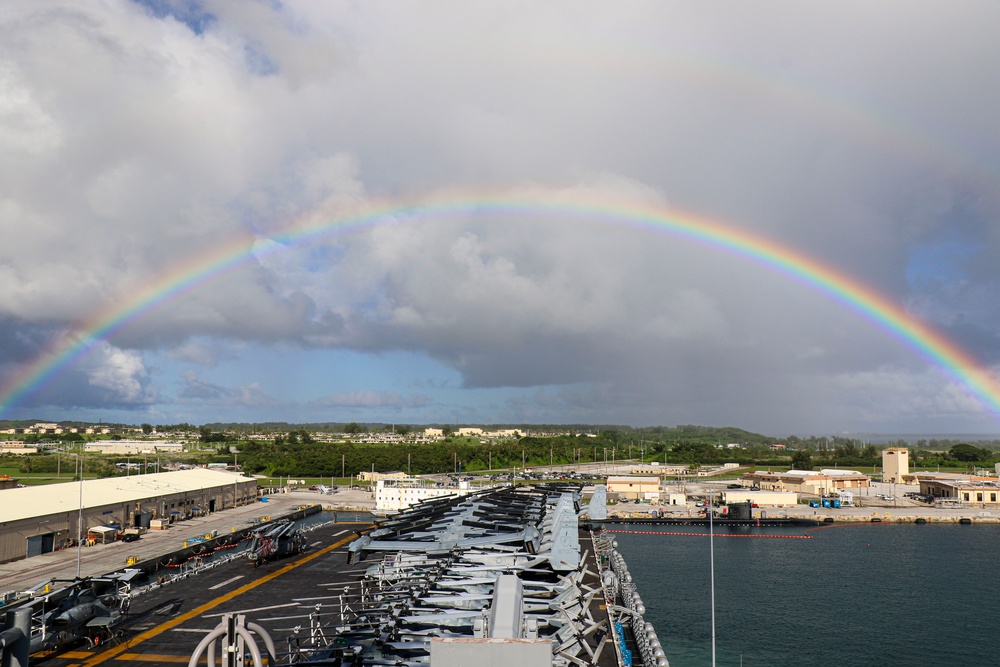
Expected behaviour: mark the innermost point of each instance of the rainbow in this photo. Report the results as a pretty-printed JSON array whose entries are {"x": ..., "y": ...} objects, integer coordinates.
[{"x": 786, "y": 261}]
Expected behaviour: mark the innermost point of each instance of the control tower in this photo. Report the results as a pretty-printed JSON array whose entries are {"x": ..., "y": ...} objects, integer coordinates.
[{"x": 895, "y": 464}]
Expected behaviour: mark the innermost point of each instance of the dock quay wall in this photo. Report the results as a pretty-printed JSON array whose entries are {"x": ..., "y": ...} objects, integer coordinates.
[
  {"x": 923, "y": 518},
  {"x": 953, "y": 517}
]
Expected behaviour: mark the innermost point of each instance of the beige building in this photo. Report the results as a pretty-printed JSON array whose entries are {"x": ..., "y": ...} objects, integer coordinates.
[
  {"x": 16, "y": 447},
  {"x": 634, "y": 487},
  {"x": 959, "y": 488},
  {"x": 40, "y": 519},
  {"x": 827, "y": 481},
  {"x": 657, "y": 469},
  {"x": 678, "y": 499},
  {"x": 763, "y": 498},
  {"x": 372, "y": 476},
  {"x": 895, "y": 464},
  {"x": 134, "y": 447}
]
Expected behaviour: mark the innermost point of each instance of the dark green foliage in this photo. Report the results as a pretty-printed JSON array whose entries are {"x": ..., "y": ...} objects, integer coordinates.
[
  {"x": 802, "y": 460},
  {"x": 207, "y": 435},
  {"x": 966, "y": 452}
]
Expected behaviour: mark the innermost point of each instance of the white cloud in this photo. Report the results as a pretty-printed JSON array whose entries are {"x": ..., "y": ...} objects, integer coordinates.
[
  {"x": 122, "y": 373},
  {"x": 136, "y": 142}
]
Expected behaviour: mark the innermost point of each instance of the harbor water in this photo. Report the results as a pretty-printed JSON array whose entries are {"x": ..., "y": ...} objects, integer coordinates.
[{"x": 850, "y": 595}]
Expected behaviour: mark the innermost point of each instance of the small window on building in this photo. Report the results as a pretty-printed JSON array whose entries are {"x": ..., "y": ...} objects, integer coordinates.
[
  {"x": 966, "y": 496},
  {"x": 993, "y": 497},
  {"x": 979, "y": 497}
]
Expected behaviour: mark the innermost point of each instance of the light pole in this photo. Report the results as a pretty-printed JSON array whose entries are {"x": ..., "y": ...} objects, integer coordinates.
[{"x": 79, "y": 521}]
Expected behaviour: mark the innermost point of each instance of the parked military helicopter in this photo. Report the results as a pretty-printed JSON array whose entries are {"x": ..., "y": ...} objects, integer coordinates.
[
  {"x": 277, "y": 540},
  {"x": 65, "y": 611}
]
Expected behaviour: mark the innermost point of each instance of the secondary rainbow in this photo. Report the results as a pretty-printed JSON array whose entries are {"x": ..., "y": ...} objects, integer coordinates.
[{"x": 776, "y": 257}]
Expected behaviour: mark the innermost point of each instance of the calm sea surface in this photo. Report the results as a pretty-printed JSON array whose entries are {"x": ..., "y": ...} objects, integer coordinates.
[{"x": 868, "y": 594}]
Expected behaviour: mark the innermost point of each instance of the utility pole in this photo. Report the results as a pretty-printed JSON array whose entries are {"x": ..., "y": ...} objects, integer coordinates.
[{"x": 79, "y": 521}]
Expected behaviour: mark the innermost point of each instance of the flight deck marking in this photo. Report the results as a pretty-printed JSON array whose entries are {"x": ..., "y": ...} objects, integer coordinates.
[
  {"x": 158, "y": 657},
  {"x": 226, "y": 582},
  {"x": 244, "y": 611},
  {"x": 340, "y": 533},
  {"x": 203, "y": 631},
  {"x": 118, "y": 652}
]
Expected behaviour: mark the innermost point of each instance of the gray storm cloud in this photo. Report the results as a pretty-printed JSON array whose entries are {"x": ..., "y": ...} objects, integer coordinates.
[{"x": 135, "y": 137}]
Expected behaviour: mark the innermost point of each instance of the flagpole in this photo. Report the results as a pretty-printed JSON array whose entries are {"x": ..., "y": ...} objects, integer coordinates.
[{"x": 711, "y": 542}]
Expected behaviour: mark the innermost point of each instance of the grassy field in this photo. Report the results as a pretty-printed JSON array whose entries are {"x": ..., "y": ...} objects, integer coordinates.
[
  {"x": 305, "y": 482},
  {"x": 39, "y": 478}
]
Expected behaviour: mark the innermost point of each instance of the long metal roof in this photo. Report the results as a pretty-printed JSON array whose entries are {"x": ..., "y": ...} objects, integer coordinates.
[{"x": 36, "y": 501}]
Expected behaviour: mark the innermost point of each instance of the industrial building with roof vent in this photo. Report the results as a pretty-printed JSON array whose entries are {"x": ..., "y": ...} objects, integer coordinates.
[
  {"x": 828, "y": 480},
  {"x": 39, "y": 519}
]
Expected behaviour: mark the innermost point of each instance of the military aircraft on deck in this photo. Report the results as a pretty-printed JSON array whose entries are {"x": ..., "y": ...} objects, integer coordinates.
[
  {"x": 282, "y": 538},
  {"x": 65, "y": 611}
]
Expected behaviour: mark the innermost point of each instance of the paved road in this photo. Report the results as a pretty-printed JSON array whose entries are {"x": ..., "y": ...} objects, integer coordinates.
[{"x": 105, "y": 558}]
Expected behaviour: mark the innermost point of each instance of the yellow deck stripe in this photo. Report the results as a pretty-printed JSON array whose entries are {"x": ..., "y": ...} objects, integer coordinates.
[
  {"x": 158, "y": 657},
  {"x": 174, "y": 622}
]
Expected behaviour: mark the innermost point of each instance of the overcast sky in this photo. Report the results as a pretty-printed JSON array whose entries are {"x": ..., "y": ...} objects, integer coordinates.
[{"x": 138, "y": 136}]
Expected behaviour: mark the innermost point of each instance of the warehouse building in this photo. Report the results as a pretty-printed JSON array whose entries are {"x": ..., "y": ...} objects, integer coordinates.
[
  {"x": 40, "y": 519},
  {"x": 956, "y": 487},
  {"x": 762, "y": 498},
  {"x": 823, "y": 482},
  {"x": 634, "y": 487}
]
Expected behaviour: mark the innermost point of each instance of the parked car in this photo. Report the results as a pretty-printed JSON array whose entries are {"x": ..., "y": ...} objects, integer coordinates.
[{"x": 130, "y": 537}]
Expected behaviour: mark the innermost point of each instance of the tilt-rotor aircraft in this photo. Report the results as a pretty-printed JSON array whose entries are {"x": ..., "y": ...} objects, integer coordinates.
[{"x": 65, "y": 611}]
